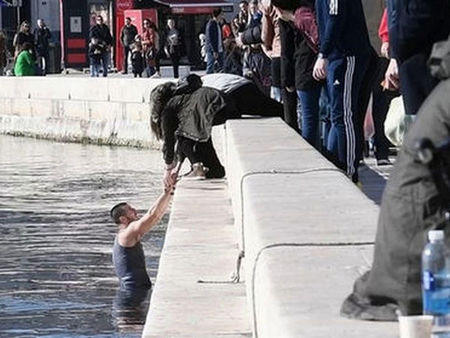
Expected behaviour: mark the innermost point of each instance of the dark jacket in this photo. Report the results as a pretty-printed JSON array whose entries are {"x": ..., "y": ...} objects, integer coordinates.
[
  {"x": 191, "y": 116},
  {"x": 297, "y": 59},
  {"x": 137, "y": 61},
  {"x": 102, "y": 33},
  {"x": 95, "y": 51},
  {"x": 127, "y": 35},
  {"x": 415, "y": 25},
  {"x": 342, "y": 28},
  {"x": 212, "y": 37},
  {"x": 252, "y": 35},
  {"x": 42, "y": 38},
  {"x": 21, "y": 38}
]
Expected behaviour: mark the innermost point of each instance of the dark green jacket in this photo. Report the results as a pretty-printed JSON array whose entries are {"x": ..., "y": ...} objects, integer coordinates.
[
  {"x": 191, "y": 116},
  {"x": 411, "y": 207}
]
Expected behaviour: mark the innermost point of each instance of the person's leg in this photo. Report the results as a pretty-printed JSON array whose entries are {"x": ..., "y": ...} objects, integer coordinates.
[
  {"x": 209, "y": 62},
  {"x": 126, "y": 51},
  {"x": 220, "y": 60},
  {"x": 362, "y": 80},
  {"x": 250, "y": 101},
  {"x": 338, "y": 79},
  {"x": 416, "y": 82},
  {"x": 379, "y": 113},
  {"x": 310, "y": 114},
  {"x": 275, "y": 71},
  {"x": 324, "y": 113},
  {"x": 186, "y": 148},
  {"x": 175, "y": 61},
  {"x": 157, "y": 67},
  {"x": 208, "y": 156},
  {"x": 290, "y": 109},
  {"x": 105, "y": 62},
  {"x": 368, "y": 77},
  {"x": 92, "y": 68}
]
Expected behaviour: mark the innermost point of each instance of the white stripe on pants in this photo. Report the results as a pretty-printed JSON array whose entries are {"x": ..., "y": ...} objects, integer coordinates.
[{"x": 348, "y": 116}]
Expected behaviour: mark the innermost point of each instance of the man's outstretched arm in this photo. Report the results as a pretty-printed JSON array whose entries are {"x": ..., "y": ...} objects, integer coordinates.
[{"x": 143, "y": 225}]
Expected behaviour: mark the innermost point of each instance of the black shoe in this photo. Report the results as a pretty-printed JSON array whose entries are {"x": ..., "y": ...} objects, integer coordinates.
[{"x": 383, "y": 161}]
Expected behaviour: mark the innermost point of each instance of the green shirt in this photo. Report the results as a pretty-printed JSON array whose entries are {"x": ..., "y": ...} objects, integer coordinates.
[{"x": 24, "y": 64}]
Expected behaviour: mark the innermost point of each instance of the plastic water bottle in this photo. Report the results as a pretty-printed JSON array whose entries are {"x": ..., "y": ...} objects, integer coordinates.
[{"x": 436, "y": 283}]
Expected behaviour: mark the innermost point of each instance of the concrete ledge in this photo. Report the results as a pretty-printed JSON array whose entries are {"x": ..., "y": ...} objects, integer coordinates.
[
  {"x": 262, "y": 147},
  {"x": 199, "y": 245},
  {"x": 109, "y": 111},
  {"x": 302, "y": 224},
  {"x": 299, "y": 291}
]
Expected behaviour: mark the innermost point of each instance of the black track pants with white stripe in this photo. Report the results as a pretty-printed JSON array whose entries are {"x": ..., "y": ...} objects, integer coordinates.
[{"x": 344, "y": 81}]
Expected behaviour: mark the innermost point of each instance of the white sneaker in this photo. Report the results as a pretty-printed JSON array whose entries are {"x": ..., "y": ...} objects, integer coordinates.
[
  {"x": 157, "y": 75},
  {"x": 198, "y": 172}
]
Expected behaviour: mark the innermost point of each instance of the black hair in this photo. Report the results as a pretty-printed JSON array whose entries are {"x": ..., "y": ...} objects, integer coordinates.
[
  {"x": 216, "y": 12},
  {"x": 128, "y": 18},
  {"x": 188, "y": 84},
  {"x": 117, "y": 211},
  {"x": 159, "y": 97},
  {"x": 243, "y": 2},
  {"x": 287, "y": 5}
]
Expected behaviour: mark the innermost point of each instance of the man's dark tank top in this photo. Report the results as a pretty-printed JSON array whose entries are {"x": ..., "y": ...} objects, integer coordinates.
[{"x": 129, "y": 264}]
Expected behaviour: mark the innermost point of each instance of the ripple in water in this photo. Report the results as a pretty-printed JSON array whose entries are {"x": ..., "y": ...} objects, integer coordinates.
[{"x": 56, "y": 274}]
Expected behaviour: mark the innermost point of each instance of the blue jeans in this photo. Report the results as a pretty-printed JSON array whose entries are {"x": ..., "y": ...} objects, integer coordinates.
[
  {"x": 106, "y": 58},
  {"x": 210, "y": 61},
  {"x": 344, "y": 81},
  {"x": 94, "y": 68},
  {"x": 149, "y": 71},
  {"x": 324, "y": 111},
  {"x": 309, "y": 100}
]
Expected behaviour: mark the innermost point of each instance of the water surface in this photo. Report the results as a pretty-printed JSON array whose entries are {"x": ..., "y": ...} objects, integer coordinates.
[{"x": 56, "y": 275}]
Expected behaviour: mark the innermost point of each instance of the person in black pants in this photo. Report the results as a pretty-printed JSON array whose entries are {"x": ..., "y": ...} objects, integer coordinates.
[
  {"x": 127, "y": 35},
  {"x": 172, "y": 46},
  {"x": 288, "y": 93}
]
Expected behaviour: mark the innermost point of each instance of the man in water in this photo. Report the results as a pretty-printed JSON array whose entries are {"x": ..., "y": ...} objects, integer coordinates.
[{"x": 128, "y": 255}]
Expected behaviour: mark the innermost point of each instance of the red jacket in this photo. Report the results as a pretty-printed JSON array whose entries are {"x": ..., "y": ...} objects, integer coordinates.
[{"x": 383, "y": 32}]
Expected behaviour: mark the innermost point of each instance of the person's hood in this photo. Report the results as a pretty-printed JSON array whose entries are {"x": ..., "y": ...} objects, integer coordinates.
[{"x": 439, "y": 61}]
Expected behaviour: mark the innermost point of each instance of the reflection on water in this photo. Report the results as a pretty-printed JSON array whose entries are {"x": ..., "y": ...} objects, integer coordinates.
[{"x": 56, "y": 274}]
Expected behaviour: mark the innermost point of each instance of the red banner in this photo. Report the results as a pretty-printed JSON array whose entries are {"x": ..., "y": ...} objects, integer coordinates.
[{"x": 123, "y": 5}]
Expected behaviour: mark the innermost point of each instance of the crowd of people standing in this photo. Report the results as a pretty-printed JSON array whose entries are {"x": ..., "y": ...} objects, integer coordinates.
[
  {"x": 315, "y": 57},
  {"x": 147, "y": 49}
]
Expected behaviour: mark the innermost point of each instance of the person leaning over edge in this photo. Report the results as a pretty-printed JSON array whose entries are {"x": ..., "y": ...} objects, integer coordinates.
[{"x": 128, "y": 254}]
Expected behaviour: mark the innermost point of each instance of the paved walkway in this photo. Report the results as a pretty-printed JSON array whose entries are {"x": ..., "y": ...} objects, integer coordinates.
[{"x": 374, "y": 178}]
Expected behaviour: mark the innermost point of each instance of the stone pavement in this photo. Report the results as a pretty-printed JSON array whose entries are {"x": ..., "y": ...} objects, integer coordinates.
[{"x": 374, "y": 178}]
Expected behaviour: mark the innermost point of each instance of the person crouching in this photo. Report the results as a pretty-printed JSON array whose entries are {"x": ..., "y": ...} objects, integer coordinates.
[{"x": 184, "y": 122}]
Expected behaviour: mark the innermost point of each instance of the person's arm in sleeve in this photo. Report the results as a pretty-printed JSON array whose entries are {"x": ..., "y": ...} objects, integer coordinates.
[
  {"x": 418, "y": 23},
  {"x": 268, "y": 28},
  {"x": 337, "y": 16},
  {"x": 211, "y": 36},
  {"x": 169, "y": 124},
  {"x": 287, "y": 55}
]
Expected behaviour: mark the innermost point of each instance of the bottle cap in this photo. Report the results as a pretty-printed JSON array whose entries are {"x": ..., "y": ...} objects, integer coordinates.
[{"x": 435, "y": 235}]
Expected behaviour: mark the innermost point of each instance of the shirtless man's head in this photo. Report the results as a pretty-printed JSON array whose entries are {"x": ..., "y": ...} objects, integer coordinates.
[{"x": 123, "y": 214}]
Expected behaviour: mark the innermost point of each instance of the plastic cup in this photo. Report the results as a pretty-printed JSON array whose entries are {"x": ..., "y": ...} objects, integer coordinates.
[{"x": 415, "y": 326}]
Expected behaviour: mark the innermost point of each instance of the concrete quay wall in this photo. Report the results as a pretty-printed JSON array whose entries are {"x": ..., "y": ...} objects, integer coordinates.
[
  {"x": 109, "y": 111},
  {"x": 306, "y": 230}
]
